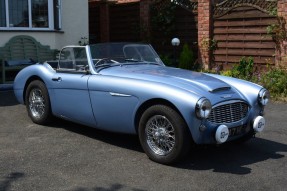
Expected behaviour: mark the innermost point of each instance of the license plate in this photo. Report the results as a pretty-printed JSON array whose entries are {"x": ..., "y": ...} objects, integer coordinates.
[{"x": 238, "y": 130}]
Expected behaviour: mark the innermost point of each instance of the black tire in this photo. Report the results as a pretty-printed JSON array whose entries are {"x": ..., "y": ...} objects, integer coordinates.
[
  {"x": 169, "y": 140},
  {"x": 38, "y": 103}
]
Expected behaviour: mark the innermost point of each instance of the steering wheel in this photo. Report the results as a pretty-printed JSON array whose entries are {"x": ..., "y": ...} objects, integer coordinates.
[{"x": 105, "y": 61}]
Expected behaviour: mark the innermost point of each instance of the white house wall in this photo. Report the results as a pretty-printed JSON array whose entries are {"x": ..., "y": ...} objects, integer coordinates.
[{"x": 75, "y": 24}]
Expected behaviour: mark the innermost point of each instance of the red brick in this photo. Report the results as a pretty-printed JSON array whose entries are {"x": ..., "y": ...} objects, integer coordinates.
[
  {"x": 281, "y": 54},
  {"x": 204, "y": 25}
]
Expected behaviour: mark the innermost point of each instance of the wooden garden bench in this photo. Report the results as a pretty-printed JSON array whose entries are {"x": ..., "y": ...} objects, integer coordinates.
[{"x": 22, "y": 51}]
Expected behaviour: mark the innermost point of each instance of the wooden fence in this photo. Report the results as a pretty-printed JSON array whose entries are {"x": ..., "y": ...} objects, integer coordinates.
[
  {"x": 239, "y": 28},
  {"x": 242, "y": 31},
  {"x": 125, "y": 22},
  {"x": 94, "y": 24}
]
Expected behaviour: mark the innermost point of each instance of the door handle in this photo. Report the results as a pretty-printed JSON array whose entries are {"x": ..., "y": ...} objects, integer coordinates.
[{"x": 58, "y": 79}]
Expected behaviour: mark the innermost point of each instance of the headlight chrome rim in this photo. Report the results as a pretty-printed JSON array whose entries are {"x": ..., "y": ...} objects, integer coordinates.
[
  {"x": 203, "y": 108},
  {"x": 263, "y": 97}
]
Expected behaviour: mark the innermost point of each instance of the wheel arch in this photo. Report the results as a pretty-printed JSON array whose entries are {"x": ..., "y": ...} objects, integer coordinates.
[
  {"x": 29, "y": 80},
  {"x": 156, "y": 101}
]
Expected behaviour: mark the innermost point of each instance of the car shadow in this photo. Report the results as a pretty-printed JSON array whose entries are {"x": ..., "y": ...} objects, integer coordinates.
[
  {"x": 7, "y": 98},
  {"x": 227, "y": 158},
  {"x": 113, "y": 187},
  {"x": 5, "y": 182},
  {"x": 233, "y": 158},
  {"x": 127, "y": 141}
]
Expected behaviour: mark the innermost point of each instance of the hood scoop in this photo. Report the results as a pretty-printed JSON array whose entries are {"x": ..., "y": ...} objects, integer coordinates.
[
  {"x": 210, "y": 84},
  {"x": 220, "y": 89}
]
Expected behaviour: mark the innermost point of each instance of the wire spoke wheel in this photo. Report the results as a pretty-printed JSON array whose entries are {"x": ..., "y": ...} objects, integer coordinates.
[
  {"x": 163, "y": 134},
  {"x": 160, "y": 135},
  {"x": 36, "y": 103}
]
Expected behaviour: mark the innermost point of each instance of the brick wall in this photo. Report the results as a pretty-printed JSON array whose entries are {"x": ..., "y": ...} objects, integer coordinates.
[
  {"x": 281, "y": 55},
  {"x": 204, "y": 32}
]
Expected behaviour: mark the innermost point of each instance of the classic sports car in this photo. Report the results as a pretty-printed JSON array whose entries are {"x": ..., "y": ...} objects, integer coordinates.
[{"x": 125, "y": 88}]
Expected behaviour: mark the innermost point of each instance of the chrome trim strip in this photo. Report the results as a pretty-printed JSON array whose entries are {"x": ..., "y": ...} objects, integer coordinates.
[
  {"x": 119, "y": 94},
  {"x": 228, "y": 102}
]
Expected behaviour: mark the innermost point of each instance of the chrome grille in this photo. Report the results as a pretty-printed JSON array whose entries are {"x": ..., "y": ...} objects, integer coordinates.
[{"x": 228, "y": 112}]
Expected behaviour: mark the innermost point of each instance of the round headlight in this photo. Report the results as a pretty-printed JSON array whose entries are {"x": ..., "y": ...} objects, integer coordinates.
[
  {"x": 263, "y": 96},
  {"x": 203, "y": 108}
]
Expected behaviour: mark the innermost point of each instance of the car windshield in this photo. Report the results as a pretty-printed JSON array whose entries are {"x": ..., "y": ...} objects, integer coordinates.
[{"x": 112, "y": 54}]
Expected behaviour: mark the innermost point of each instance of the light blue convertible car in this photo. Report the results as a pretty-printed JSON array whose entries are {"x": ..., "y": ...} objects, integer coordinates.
[{"x": 125, "y": 88}]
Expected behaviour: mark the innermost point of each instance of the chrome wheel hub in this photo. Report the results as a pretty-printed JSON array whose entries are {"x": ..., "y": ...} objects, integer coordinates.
[
  {"x": 36, "y": 103},
  {"x": 160, "y": 135}
]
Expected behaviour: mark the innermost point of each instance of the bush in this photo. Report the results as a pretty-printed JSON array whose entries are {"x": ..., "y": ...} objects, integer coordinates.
[
  {"x": 243, "y": 70},
  {"x": 226, "y": 73},
  {"x": 186, "y": 59},
  {"x": 275, "y": 80},
  {"x": 166, "y": 60}
]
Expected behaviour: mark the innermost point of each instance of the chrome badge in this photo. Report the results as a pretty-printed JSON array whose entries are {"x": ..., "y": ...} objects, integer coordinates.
[{"x": 226, "y": 96}]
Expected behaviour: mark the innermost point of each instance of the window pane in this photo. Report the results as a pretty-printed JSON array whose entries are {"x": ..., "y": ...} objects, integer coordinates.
[
  {"x": 18, "y": 13},
  {"x": 66, "y": 59},
  {"x": 2, "y": 14},
  {"x": 40, "y": 14}
]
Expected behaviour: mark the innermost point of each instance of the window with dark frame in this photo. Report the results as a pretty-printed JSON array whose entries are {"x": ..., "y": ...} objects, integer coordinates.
[
  {"x": 18, "y": 13},
  {"x": 30, "y": 14},
  {"x": 2, "y": 13},
  {"x": 40, "y": 14}
]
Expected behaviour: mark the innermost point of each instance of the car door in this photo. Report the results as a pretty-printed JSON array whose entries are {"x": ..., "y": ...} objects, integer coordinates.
[
  {"x": 71, "y": 98},
  {"x": 113, "y": 105}
]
